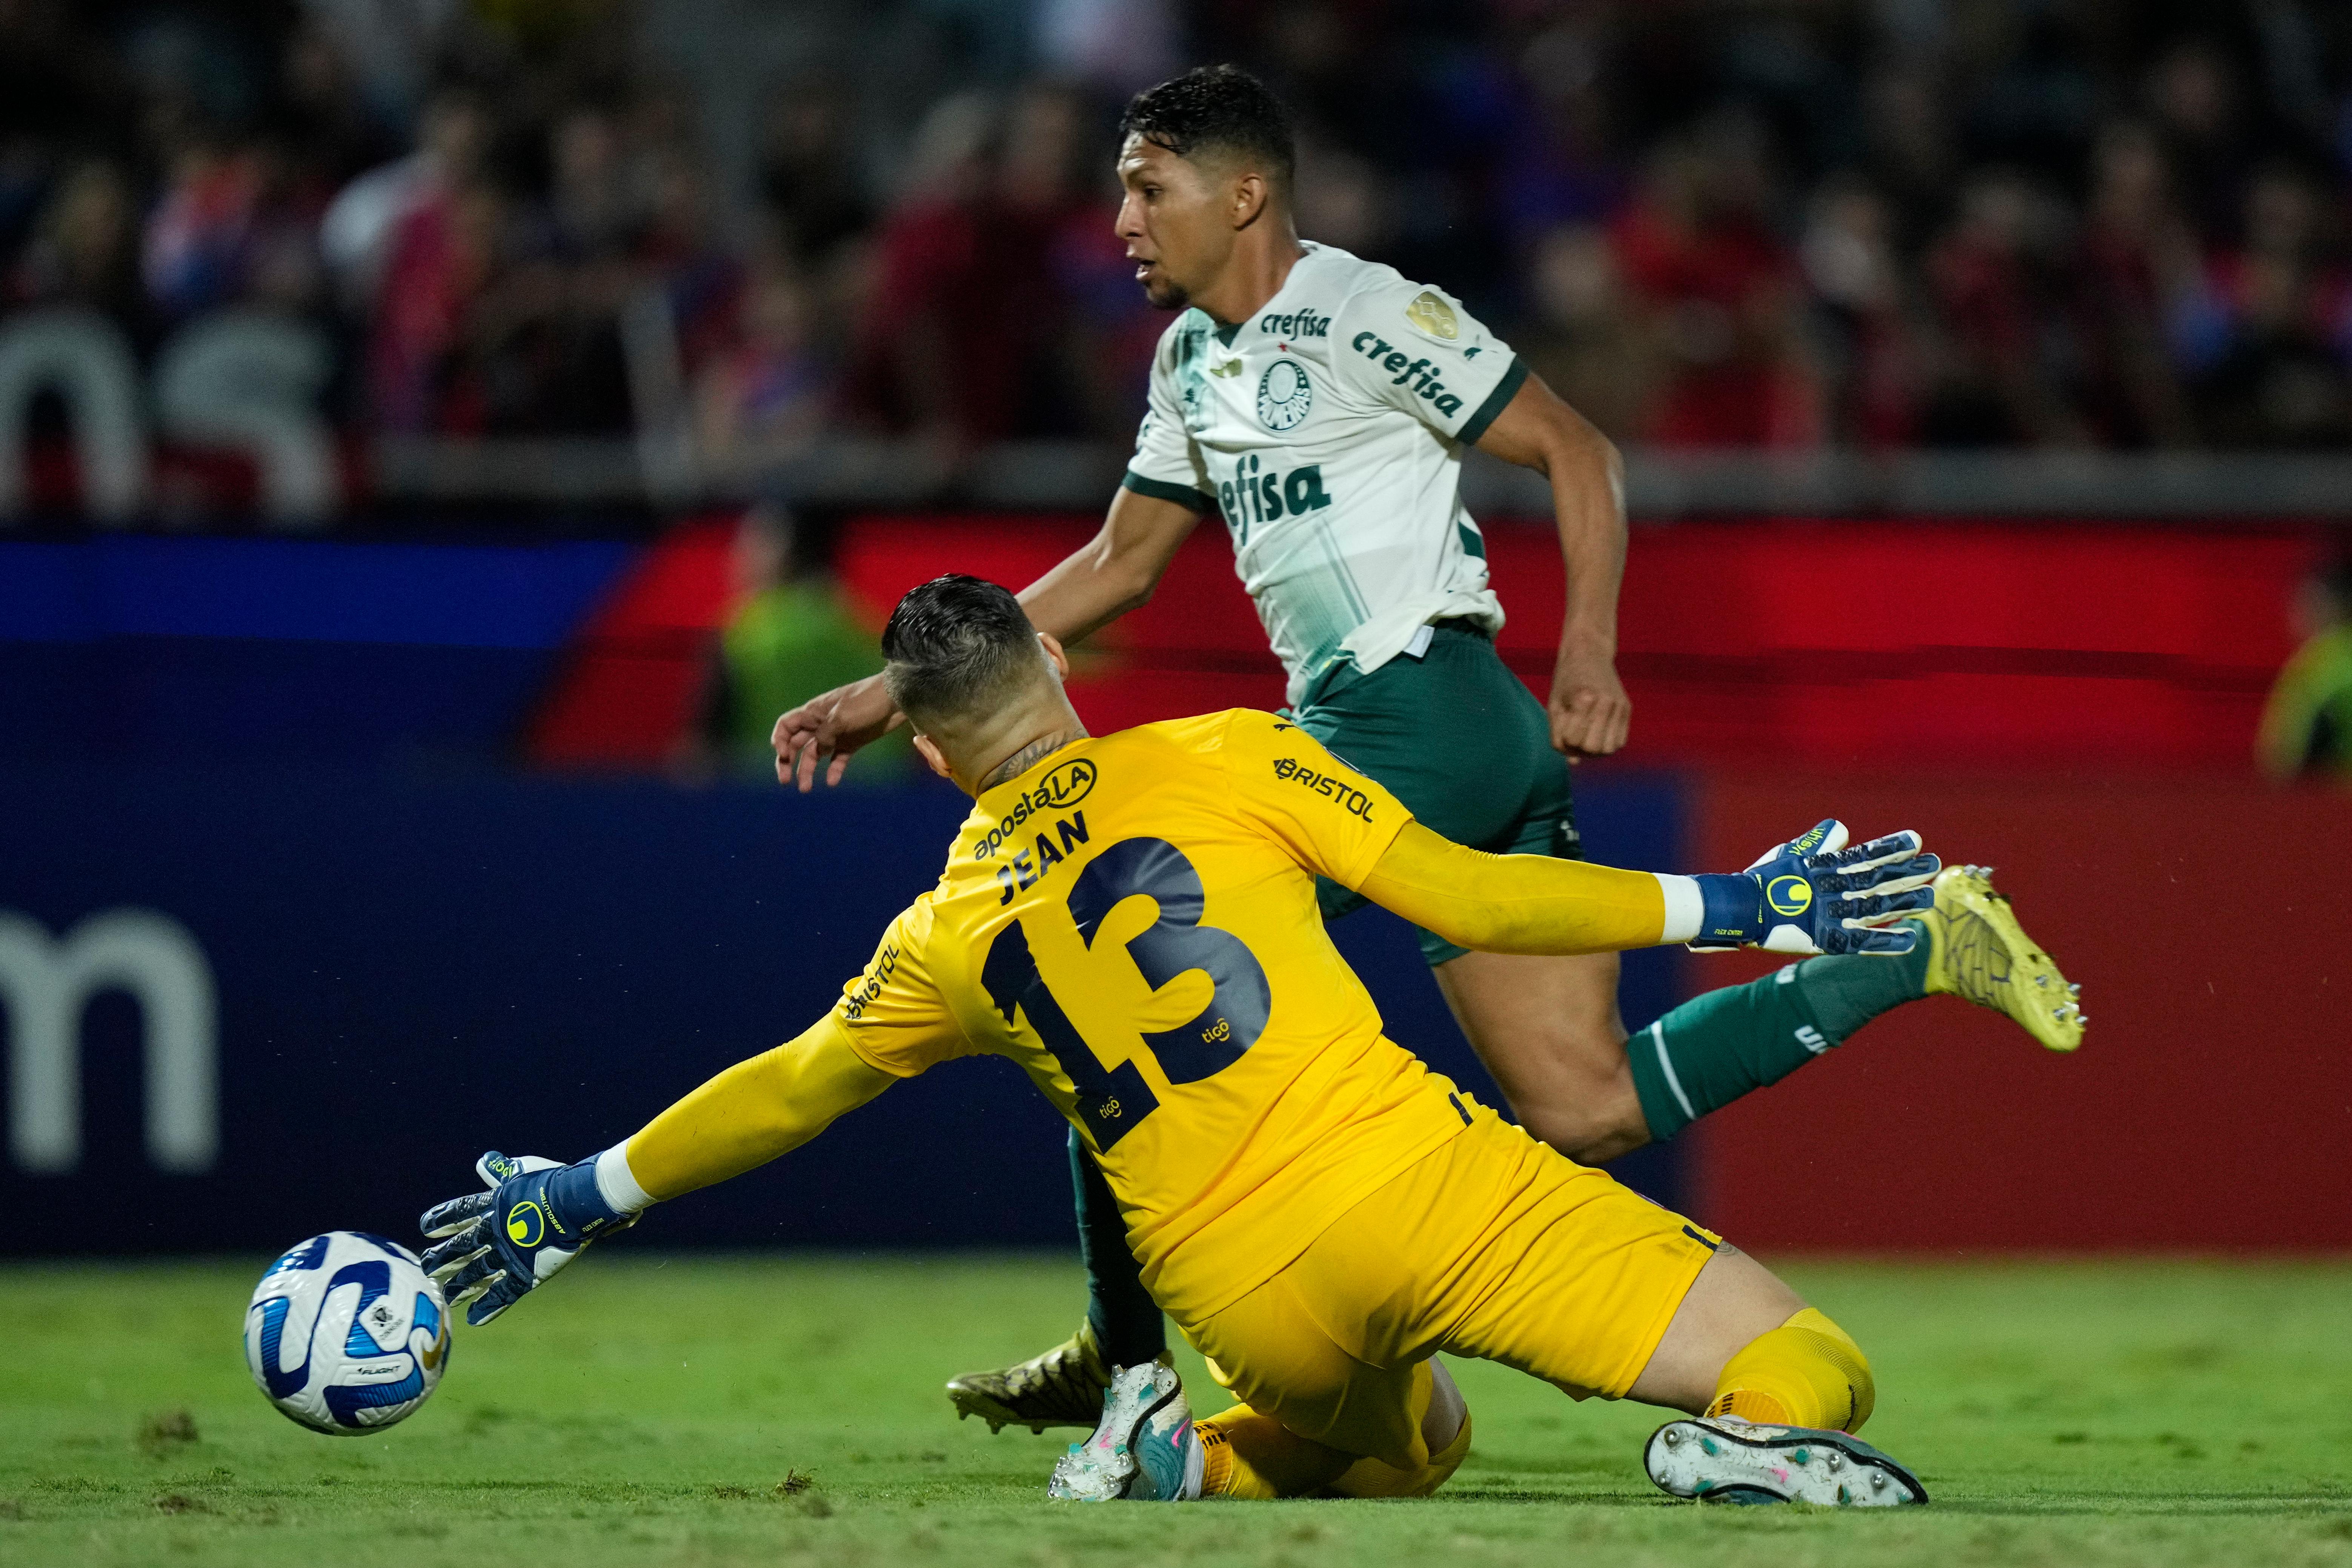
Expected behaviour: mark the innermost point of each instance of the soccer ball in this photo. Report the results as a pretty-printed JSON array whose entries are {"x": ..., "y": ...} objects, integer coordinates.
[{"x": 347, "y": 1333}]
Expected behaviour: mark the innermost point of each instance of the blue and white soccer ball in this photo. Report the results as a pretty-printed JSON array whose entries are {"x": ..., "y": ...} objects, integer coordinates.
[{"x": 347, "y": 1333}]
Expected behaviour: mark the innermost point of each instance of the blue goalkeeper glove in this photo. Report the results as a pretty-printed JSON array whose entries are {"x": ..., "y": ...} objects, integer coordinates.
[
  {"x": 1813, "y": 895},
  {"x": 505, "y": 1242}
]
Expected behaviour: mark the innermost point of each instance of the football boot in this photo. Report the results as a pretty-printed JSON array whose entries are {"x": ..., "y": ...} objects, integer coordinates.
[
  {"x": 1144, "y": 1448},
  {"x": 1063, "y": 1387},
  {"x": 1721, "y": 1458},
  {"x": 1977, "y": 951}
]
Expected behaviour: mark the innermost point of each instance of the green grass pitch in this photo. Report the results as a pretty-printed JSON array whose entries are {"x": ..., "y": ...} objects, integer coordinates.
[{"x": 649, "y": 1410}]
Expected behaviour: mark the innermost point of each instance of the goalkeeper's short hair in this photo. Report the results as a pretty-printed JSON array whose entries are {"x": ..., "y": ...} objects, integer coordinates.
[{"x": 956, "y": 646}]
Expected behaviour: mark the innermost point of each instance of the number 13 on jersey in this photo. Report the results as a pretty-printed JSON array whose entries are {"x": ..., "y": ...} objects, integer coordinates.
[{"x": 1113, "y": 1101}]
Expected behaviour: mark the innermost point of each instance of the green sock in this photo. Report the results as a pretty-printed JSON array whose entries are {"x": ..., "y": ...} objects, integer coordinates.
[
  {"x": 1126, "y": 1318},
  {"x": 1713, "y": 1048}
]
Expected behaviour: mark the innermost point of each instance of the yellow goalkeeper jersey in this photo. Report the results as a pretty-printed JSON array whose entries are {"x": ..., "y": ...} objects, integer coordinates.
[{"x": 1133, "y": 921}]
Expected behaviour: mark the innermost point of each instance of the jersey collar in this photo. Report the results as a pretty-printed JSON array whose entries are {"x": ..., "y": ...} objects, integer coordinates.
[{"x": 1308, "y": 251}]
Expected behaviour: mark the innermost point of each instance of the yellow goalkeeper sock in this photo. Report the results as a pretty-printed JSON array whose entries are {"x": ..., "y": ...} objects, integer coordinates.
[
  {"x": 1806, "y": 1372},
  {"x": 1246, "y": 1454}
]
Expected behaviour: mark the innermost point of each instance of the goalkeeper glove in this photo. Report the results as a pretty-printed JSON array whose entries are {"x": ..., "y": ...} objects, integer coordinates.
[
  {"x": 1812, "y": 895},
  {"x": 502, "y": 1243}
]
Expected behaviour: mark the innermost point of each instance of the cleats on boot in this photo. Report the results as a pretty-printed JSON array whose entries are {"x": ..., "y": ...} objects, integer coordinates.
[
  {"x": 1063, "y": 1387},
  {"x": 1721, "y": 1458},
  {"x": 1143, "y": 1450},
  {"x": 1976, "y": 949}
]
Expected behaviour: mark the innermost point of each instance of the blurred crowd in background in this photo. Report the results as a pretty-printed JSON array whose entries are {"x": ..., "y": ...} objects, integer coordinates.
[{"x": 1879, "y": 223}]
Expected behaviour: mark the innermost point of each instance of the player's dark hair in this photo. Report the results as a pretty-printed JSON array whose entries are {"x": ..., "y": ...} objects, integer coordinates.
[
  {"x": 954, "y": 643},
  {"x": 1215, "y": 108}
]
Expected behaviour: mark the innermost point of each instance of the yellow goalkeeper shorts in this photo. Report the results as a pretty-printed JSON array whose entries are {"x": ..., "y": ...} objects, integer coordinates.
[{"x": 1495, "y": 1246}]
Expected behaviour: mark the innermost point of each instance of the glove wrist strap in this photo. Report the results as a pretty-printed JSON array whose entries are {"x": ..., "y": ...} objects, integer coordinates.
[
  {"x": 574, "y": 1204},
  {"x": 1732, "y": 910}
]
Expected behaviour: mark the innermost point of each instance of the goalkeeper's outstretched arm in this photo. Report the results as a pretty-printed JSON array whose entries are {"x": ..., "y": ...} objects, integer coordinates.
[
  {"x": 1810, "y": 895},
  {"x": 753, "y": 1112},
  {"x": 535, "y": 1216}
]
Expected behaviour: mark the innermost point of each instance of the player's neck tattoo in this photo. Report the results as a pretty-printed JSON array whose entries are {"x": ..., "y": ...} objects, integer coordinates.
[{"x": 1026, "y": 757}]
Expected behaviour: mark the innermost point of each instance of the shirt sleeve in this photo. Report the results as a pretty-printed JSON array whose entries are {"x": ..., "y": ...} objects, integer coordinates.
[
  {"x": 1166, "y": 465},
  {"x": 1522, "y": 903},
  {"x": 1333, "y": 820},
  {"x": 1413, "y": 349},
  {"x": 895, "y": 1013}
]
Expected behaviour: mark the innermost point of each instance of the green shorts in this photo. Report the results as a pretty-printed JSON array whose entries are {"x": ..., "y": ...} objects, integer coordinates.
[{"x": 1461, "y": 741}]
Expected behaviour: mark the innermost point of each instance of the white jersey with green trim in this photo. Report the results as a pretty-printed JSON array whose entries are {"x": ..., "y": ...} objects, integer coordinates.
[{"x": 1328, "y": 429}]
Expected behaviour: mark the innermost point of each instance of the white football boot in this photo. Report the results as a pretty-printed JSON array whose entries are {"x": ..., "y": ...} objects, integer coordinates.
[
  {"x": 1721, "y": 1458},
  {"x": 1144, "y": 1449}
]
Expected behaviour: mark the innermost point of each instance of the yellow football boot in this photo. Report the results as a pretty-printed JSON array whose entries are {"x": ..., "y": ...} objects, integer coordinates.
[
  {"x": 1976, "y": 949},
  {"x": 1063, "y": 1387}
]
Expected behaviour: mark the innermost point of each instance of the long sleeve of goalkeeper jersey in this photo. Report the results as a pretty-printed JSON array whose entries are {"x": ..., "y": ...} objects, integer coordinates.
[
  {"x": 754, "y": 1111},
  {"x": 1519, "y": 903}
]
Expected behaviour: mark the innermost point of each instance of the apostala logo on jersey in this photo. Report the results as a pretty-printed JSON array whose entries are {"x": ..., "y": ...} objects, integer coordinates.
[
  {"x": 1057, "y": 791},
  {"x": 1420, "y": 371},
  {"x": 1302, "y": 322},
  {"x": 1284, "y": 394}
]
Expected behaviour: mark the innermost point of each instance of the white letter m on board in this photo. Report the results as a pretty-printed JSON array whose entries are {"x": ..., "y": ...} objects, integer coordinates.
[{"x": 45, "y": 985}]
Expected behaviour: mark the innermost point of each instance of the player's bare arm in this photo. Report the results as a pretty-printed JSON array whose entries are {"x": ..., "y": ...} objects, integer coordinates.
[
  {"x": 1589, "y": 710},
  {"x": 1117, "y": 570},
  {"x": 1113, "y": 572}
]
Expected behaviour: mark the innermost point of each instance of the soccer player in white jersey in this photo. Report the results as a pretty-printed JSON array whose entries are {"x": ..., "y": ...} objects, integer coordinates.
[{"x": 1321, "y": 404}]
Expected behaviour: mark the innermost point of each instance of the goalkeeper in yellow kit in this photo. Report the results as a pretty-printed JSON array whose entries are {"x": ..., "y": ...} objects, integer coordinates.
[{"x": 1132, "y": 919}]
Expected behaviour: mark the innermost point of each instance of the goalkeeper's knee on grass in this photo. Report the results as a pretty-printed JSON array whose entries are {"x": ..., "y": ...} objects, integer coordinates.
[{"x": 1806, "y": 1372}]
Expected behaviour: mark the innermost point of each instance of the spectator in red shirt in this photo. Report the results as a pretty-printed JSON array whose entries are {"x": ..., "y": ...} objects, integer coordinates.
[
  {"x": 963, "y": 341},
  {"x": 1720, "y": 291},
  {"x": 1877, "y": 359},
  {"x": 2136, "y": 259},
  {"x": 1998, "y": 385}
]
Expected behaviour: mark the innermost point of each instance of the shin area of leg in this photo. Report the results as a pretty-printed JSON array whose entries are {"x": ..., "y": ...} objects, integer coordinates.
[{"x": 1732, "y": 1303}]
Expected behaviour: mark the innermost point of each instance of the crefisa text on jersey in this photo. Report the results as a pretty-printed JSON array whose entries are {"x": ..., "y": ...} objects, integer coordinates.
[
  {"x": 1373, "y": 348},
  {"x": 1302, "y": 322}
]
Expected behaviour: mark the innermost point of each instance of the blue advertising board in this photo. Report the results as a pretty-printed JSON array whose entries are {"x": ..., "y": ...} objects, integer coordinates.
[{"x": 134, "y": 647}]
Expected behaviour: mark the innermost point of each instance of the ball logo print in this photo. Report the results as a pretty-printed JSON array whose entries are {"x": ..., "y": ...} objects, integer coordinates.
[
  {"x": 1790, "y": 895},
  {"x": 346, "y": 1333},
  {"x": 525, "y": 1223},
  {"x": 1284, "y": 394}
]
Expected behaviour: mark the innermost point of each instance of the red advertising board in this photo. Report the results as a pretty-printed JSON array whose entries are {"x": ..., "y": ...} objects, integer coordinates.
[{"x": 2210, "y": 1106}]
